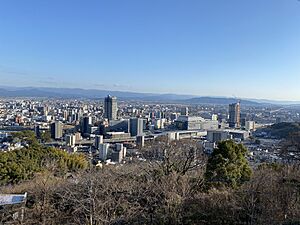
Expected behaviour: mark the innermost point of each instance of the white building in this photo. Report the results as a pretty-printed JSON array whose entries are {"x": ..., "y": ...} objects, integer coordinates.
[
  {"x": 250, "y": 125},
  {"x": 103, "y": 151},
  {"x": 70, "y": 140}
]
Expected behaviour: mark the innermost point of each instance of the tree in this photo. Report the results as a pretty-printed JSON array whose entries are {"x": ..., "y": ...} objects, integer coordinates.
[
  {"x": 228, "y": 165},
  {"x": 22, "y": 164},
  {"x": 178, "y": 157},
  {"x": 26, "y": 136}
]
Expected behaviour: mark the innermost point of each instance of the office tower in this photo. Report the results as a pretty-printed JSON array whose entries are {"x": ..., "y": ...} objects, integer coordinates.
[
  {"x": 66, "y": 114},
  {"x": 243, "y": 119},
  {"x": 86, "y": 124},
  {"x": 235, "y": 115},
  {"x": 70, "y": 140},
  {"x": 56, "y": 130},
  {"x": 110, "y": 108},
  {"x": 45, "y": 110},
  {"x": 136, "y": 126},
  {"x": 140, "y": 141},
  {"x": 103, "y": 151},
  {"x": 98, "y": 141},
  {"x": 185, "y": 111}
]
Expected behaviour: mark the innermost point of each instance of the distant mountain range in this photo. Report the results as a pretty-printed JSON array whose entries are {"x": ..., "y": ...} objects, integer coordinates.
[
  {"x": 219, "y": 101},
  {"x": 84, "y": 93},
  {"x": 45, "y": 92}
]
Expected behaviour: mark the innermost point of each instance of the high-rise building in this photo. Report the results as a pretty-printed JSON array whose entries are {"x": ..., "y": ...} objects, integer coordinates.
[
  {"x": 45, "y": 110},
  {"x": 185, "y": 111},
  {"x": 103, "y": 151},
  {"x": 56, "y": 130},
  {"x": 110, "y": 108},
  {"x": 235, "y": 115},
  {"x": 86, "y": 124},
  {"x": 66, "y": 114},
  {"x": 136, "y": 126},
  {"x": 98, "y": 141},
  {"x": 243, "y": 119}
]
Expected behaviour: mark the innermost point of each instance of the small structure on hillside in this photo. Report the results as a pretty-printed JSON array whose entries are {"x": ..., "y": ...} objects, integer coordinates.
[{"x": 12, "y": 207}]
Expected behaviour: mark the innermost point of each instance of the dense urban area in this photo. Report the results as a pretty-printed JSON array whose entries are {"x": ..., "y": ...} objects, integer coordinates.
[{"x": 114, "y": 161}]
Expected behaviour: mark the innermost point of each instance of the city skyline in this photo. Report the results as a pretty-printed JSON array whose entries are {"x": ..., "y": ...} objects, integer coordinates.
[{"x": 244, "y": 49}]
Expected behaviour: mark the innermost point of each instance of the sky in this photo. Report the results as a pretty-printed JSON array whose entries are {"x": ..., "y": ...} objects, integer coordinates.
[{"x": 240, "y": 48}]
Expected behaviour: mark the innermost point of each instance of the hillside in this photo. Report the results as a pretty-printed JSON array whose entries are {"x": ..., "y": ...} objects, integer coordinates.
[{"x": 281, "y": 130}]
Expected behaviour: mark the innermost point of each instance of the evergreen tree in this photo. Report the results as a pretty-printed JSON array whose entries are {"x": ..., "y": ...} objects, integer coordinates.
[{"x": 228, "y": 166}]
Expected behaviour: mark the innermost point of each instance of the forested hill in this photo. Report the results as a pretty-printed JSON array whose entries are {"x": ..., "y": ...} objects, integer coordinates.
[{"x": 281, "y": 130}]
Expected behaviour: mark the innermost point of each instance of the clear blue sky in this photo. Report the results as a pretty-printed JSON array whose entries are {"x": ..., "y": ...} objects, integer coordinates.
[{"x": 246, "y": 48}]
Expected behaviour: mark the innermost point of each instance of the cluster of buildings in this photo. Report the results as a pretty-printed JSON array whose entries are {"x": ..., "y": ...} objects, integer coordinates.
[{"x": 112, "y": 130}]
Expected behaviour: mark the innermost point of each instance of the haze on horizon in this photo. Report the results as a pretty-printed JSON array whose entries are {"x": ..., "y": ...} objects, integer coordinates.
[{"x": 248, "y": 49}]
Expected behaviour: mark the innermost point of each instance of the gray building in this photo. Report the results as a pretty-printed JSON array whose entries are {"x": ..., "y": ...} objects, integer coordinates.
[
  {"x": 119, "y": 125},
  {"x": 110, "y": 108},
  {"x": 103, "y": 151},
  {"x": 56, "y": 130},
  {"x": 184, "y": 111},
  {"x": 218, "y": 135},
  {"x": 136, "y": 126},
  {"x": 119, "y": 153},
  {"x": 140, "y": 141},
  {"x": 234, "y": 115},
  {"x": 189, "y": 123}
]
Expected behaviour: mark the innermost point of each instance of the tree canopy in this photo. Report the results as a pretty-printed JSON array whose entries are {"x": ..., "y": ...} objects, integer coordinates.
[
  {"x": 21, "y": 164},
  {"x": 228, "y": 165}
]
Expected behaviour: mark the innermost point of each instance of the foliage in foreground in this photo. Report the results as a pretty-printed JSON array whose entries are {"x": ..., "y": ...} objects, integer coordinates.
[
  {"x": 167, "y": 189},
  {"x": 135, "y": 194},
  {"x": 22, "y": 164},
  {"x": 228, "y": 165}
]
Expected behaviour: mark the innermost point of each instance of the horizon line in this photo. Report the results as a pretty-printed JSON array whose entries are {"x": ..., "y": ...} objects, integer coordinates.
[{"x": 157, "y": 93}]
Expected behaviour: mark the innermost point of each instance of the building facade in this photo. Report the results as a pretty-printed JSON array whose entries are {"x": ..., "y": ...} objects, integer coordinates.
[
  {"x": 56, "y": 130},
  {"x": 136, "y": 126},
  {"x": 110, "y": 108},
  {"x": 235, "y": 115}
]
